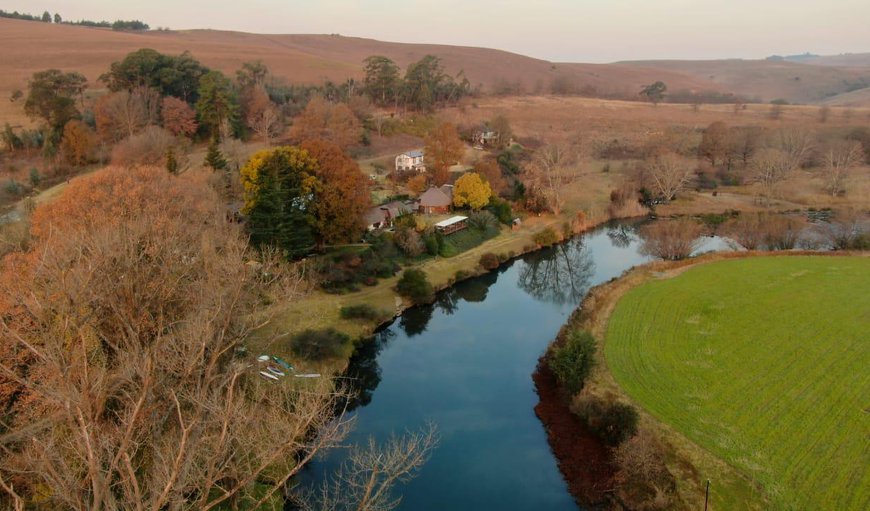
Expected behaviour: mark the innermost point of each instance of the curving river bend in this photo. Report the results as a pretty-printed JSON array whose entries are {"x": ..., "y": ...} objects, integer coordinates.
[{"x": 465, "y": 363}]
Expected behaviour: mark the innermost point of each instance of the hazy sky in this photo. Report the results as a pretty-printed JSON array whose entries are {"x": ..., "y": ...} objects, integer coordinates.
[{"x": 559, "y": 30}]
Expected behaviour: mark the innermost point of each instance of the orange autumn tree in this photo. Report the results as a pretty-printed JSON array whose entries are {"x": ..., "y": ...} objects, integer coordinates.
[
  {"x": 489, "y": 169},
  {"x": 443, "y": 150},
  {"x": 343, "y": 194},
  {"x": 178, "y": 117},
  {"x": 322, "y": 120},
  {"x": 472, "y": 191},
  {"x": 78, "y": 143}
]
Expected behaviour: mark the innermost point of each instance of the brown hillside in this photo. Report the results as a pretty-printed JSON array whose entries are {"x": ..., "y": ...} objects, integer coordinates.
[
  {"x": 299, "y": 59},
  {"x": 768, "y": 80}
]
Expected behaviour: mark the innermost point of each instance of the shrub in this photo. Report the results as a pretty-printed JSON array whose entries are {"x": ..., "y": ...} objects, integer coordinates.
[
  {"x": 13, "y": 187},
  {"x": 146, "y": 148},
  {"x": 35, "y": 178},
  {"x": 644, "y": 479},
  {"x": 483, "y": 221},
  {"x": 362, "y": 311},
  {"x": 546, "y": 237},
  {"x": 415, "y": 285},
  {"x": 670, "y": 239},
  {"x": 409, "y": 241},
  {"x": 612, "y": 422},
  {"x": 321, "y": 344},
  {"x": 501, "y": 209},
  {"x": 572, "y": 360},
  {"x": 489, "y": 261},
  {"x": 432, "y": 241},
  {"x": 460, "y": 275}
]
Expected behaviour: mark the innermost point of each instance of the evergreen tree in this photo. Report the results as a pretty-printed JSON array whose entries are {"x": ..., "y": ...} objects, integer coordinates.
[
  {"x": 171, "y": 161},
  {"x": 279, "y": 191},
  {"x": 213, "y": 157},
  {"x": 46, "y": 17}
]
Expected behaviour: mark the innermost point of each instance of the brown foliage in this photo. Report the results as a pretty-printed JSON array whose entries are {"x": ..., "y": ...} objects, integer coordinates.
[
  {"x": 146, "y": 148},
  {"x": 669, "y": 173},
  {"x": 120, "y": 334},
  {"x": 418, "y": 184},
  {"x": 491, "y": 171},
  {"x": 78, "y": 143},
  {"x": 322, "y": 120},
  {"x": 644, "y": 480},
  {"x": 343, "y": 196},
  {"x": 443, "y": 150},
  {"x": 178, "y": 117},
  {"x": 670, "y": 239}
]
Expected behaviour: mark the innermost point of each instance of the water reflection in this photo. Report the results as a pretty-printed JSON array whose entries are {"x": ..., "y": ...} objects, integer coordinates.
[
  {"x": 561, "y": 275},
  {"x": 621, "y": 235},
  {"x": 364, "y": 374}
]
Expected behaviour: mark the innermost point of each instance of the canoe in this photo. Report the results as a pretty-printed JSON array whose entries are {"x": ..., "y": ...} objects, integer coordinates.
[
  {"x": 282, "y": 363},
  {"x": 312, "y": 375},
  {"x": 268, "y": 376},
  {"x": 274, "y": 370}
]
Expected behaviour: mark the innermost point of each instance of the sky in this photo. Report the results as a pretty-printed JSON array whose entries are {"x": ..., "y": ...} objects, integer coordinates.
[{"x": 556, "y": 30}]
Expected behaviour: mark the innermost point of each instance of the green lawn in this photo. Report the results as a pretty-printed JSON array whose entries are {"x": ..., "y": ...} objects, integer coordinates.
[{"x": 763, "y": 361}]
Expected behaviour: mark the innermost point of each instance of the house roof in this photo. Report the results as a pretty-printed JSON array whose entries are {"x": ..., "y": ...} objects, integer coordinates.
[
  {"x": 415, "y": 154},
  {"x": 450, "y": 221},
  {"x": 435, "y": 197},
  {"x": 388, "y": 210}
]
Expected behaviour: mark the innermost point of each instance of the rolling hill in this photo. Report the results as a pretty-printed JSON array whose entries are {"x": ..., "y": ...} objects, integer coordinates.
[{"x": 311, "y": 59}]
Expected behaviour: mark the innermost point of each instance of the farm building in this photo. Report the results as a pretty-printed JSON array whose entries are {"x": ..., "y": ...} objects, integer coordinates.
[
  {"x": 486, "y": 137},
  {"x": 452, "y": 224},
  {"x": 412, "y": 160},
  {"x": 436, "y": 200},
  {"x": 382, "y": 216}
]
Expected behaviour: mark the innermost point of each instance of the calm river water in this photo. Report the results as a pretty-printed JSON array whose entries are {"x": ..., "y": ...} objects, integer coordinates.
[{"x": 465, "y": 363}]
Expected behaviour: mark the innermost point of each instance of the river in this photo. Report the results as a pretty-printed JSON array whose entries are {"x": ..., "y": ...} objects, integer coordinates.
[{"x": 465, "y": 363}]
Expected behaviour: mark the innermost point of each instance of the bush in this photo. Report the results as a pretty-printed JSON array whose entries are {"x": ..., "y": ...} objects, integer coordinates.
[
  {"x": 489, "y": 261},
  {"x": 321, "y": 344},
  {"x": 546, "y": 237},
  {"x": 409, "y": 241},
  {"x": 501, "y": 209},
  {"x": 146, "y": 148},
  {"x": 415, "y": 285},
  {"x": 362, "y": 311},
  {"x": 670, "y": 239},
  {"x": 612, "y": 422},
  {"x": 572, "y": 360},
  {"x": 484, "y": 221},
  {"x": 460, "y": 275}
]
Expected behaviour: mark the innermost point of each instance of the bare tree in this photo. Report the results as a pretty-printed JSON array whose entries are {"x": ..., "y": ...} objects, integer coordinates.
[
  {"x": 770, "y": 167},
  {"x": 797, "y": 143},
  {"x": 121, "y": 338},
  {"x": 669, "y": 172},
  {"x": 840, "y": 158},
  {"x": 123, "y": 114},
  {"x": 670, "y": 239},
  {"x": 366, "y": 479},
  {"x": 848, "y": 229},
  {"x": 551, "y": 169},
  {"x": 262, "y": 116}
]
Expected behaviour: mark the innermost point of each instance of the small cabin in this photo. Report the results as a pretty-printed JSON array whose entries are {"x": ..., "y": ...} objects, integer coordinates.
[
  {"x": 436, "y": 201},
  {"x": 412, "y": 160},
  {"x": 452, "y": 224}
]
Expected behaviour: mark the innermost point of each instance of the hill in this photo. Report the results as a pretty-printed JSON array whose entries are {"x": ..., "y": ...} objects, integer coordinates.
[
  {"x": 303, "y": 59},
  {"x": 767, "y": 80}
]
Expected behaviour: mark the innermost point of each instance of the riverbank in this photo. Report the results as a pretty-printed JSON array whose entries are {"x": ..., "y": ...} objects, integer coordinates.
[{"x": 690, "y": 463}]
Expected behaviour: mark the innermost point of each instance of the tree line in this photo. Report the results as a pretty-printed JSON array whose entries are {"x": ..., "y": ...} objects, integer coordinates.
[{"x": 46, "y": 17}]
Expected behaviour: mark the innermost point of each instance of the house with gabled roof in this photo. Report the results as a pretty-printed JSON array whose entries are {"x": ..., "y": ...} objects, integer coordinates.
[
  {"x": 436, "y": 200},
  {"x": 411, "y": 160}
]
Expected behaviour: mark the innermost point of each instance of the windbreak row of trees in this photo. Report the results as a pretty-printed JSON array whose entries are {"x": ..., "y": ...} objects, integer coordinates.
[
  {"x": 48, "y": 18},
  {"x": 424, "y": 86}
]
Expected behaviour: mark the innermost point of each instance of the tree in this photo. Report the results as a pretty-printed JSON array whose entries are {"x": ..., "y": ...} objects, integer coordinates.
[
  {"x": 57, "y": 18},
  {"x": 214, "y": 159},
  {"x": 322, "y": 120},
  {"x": 46, "y": 17},
  {"x": 148, "y": 147},
  {"x": 171, "y": 161},
  {"x": 178, "y": 118},
  {"x": 77, "y": 144},
  {"x": 490, "y": 170},
  {"x": 572, "y": 360},
  {"x": 365, "y": 480},
  {"x": 655, "y": 92},
  {"x": 252, "y": 75},
  {"x": 443, "y": 150},
  {"x": 132, "y": 394},
  {"x": 280, "y": 187},
  {"x": 418, "y": 184},
  {"x": 177, "y": 76},
  {"x": 216, "y": 107},
  {"x": 261, "y": 115},
  {"x": 52, "y": 96},
  {"x": 552, "y": 168},
  {"x": 670, "y": 172},
  {"x": 382, "y": 82},
  {"x": 124, "y": 113},
  {"x": 502, "y": 126},
  {"x": 343, "y": 195},
  {"x": 770, "y": 167},
  {"x": 472, "y": 191},
  {"x": 715, "y": 143},
  {"x": 840, "y": 158},
  {"x": 415, "y": 285},
  {"x": 670, "y": 239}
]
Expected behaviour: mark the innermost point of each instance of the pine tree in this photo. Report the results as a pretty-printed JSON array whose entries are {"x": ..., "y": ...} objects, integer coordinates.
[
  {"x": 214, "y": 158},
  {"x": 171, "y": 161}
]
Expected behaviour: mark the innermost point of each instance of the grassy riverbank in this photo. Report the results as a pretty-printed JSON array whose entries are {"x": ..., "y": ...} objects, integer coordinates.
[{"x": 750, "y": 428}]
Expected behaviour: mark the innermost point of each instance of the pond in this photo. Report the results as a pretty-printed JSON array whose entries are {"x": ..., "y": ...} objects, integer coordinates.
[{"x": 465, "y": 363}]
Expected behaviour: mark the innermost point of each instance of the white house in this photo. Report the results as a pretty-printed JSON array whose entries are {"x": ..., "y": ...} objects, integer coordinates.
[{"x": 412, "y": 160}]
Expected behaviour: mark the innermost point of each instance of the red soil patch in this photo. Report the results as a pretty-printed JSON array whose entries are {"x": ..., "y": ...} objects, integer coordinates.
[{"x": 583, "y": 459}]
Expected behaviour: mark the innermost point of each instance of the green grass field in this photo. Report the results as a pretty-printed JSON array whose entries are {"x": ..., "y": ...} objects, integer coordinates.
[{"x": 763, "y": 361}]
